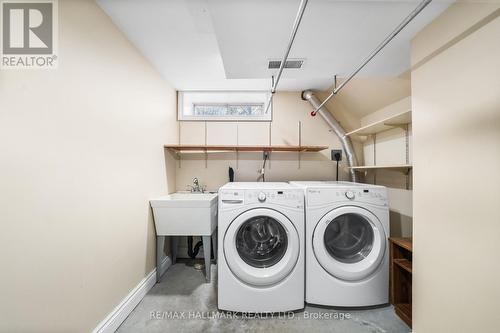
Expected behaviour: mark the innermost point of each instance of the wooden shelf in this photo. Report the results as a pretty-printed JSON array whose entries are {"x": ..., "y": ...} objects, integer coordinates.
[
  {"x": 404, "y": 242},
  {"x": 222, "y": 148},
  {"x": 402, "y": 168},
  {"x": 399, "y": 120},
  {"x": 401, "y": 277},
  {"x": 403, "y": 310},
  {"x": 404, "y": 264}
]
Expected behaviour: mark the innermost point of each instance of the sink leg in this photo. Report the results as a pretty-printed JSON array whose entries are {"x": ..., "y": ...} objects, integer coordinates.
[
  {"x": 173, "y": 248},
  {"x": 160, "y": 243},
  {"x": 206, "y": 252},
  {"x": 214, "y": 243}
]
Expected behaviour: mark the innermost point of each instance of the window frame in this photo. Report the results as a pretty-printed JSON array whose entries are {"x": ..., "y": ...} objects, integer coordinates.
[{"x": 223, "y": 100}]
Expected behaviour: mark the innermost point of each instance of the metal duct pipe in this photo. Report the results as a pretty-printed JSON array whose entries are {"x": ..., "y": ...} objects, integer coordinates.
[{"x": 308, "y": 95}]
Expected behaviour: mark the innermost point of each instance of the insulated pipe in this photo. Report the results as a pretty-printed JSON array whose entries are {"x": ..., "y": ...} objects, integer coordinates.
[
  {"x": 368, "y": 58},
  {"x": 308, "y": 95}
]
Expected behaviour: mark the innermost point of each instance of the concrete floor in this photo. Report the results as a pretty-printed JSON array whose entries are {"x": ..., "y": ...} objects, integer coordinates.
[{"x": 183, "y": 292}]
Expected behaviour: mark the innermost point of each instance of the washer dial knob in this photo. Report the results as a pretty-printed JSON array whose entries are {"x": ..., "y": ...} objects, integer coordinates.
[
  {"x": 349, "y": 195},
  {"x": 262, "y": 197}
]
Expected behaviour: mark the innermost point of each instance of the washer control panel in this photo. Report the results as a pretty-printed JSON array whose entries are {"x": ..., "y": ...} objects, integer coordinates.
[
  {"x": 290, "y": 197},
  {"x": 349, "y": 195}
]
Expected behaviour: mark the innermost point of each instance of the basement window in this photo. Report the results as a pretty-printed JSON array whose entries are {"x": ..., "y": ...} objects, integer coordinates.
[{"x": 223, "y": 106}]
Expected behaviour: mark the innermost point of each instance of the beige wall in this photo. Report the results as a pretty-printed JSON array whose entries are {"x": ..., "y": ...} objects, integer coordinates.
[
  {"x": 456, "y": 127},
  {"x": 364, "y": 95},
  {"x": 81, "y": 153},
  {"x": 389, "y": 148},
  {"x": 288, "y": 110}
]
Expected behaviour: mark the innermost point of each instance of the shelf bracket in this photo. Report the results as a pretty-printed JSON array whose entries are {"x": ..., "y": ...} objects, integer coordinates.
[
  {"x": 374, "y": 137},
  {"x": 178, "y": 152},
  {"x": 403, "y": 126},
  {"x": 206, "y": 152},
  {"x": 407, "y": 156},
  {"x": 237, "y": 152},
  {"x": 300, "y": 144}
]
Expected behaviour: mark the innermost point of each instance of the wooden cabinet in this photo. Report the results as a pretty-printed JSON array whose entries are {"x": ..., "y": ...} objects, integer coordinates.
[{"x": 401, "y": 253}]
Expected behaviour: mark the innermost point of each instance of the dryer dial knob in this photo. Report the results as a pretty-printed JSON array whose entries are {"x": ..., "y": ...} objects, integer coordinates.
[
  {"x": 262, "y": 197},
  {"x": 349, "y": 195}
]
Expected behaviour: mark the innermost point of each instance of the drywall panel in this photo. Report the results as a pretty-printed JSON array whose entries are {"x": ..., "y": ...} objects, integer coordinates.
[
  {"x": 401, "y": 205},
  {"x": 222, "y": 133},
  {"x": 458, "y": 21},
  {"x": 81, "y": 155},
  {"x": 456, "y": 215},
  {"x": 387, "y": 111},
  {"x": 192, "y": 132},
  {"x": 251, "y": 133},
  {"x": 369, "y": 151},
  {"x": 391, "y": 147}
]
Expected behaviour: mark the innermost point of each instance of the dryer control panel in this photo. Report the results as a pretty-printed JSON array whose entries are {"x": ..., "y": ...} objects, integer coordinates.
[
  {"x": 289, "y": 198},
  {"x": 320, "y": 196}
]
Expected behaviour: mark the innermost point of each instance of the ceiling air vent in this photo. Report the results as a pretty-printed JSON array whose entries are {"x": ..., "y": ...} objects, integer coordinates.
[{"x": 291, "y": 63}]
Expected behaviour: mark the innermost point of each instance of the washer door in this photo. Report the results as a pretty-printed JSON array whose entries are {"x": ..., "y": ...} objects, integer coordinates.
[
  {"x": 349, "y": 243},
  {"x": 261, "y": 247}
]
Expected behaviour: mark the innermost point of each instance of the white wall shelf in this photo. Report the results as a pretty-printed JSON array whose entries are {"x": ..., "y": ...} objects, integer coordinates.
[
  {"x": 398, "y": 120},
  {"x": 403, "y": 168},
  {"x": 241, "y": 148}
]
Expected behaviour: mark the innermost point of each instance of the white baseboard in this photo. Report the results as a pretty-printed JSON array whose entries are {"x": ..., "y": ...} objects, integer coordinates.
[
  {"x": 165, "y": 264},
  {"x": 114, "y": 319}
]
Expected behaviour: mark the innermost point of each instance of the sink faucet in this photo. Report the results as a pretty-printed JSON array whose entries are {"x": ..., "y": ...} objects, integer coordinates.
[{"x": 196, "y": 188}]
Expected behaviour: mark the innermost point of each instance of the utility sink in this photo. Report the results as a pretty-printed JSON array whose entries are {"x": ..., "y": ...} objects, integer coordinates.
[{"x": 185, "y": 213}]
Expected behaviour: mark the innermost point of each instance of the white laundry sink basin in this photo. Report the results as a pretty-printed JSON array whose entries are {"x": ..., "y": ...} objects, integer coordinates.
[
  {"x": 185, "y": 213},
  {"x": 186, "y": 199}
]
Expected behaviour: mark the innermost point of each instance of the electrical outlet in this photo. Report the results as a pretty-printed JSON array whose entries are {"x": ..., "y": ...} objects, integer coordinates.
[{"x": 335, "y": 153}]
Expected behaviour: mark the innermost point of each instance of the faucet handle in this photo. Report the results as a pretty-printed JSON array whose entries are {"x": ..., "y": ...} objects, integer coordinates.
[{"x": 190, "y": 188}]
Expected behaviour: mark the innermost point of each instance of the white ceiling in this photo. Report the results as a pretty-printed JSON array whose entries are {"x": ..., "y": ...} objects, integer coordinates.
[{"x": 225, "y": 44}]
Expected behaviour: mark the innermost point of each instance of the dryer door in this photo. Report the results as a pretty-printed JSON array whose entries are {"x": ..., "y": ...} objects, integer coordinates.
[
  {"x": 349, "y": 243},
  {"x": 261, "y": 247}
]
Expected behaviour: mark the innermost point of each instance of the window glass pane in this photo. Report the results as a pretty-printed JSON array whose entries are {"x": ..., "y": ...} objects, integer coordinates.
[
  {"x": 224, "y": 105},
  {"x": 229, "y": 110},
  {"x": 210, "y": 110},
  {"x": 250, "y": 110},
  {"x": 261, "y": 241},
  {"x": 349, "y": 238}
]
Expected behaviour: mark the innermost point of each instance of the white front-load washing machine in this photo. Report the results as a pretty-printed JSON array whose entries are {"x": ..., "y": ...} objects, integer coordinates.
[
  {"x": 261, "y": 247},
  {"x": 347, "y": 230}
]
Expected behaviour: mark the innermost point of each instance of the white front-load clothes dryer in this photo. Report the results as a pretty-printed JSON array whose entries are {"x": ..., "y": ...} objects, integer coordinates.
[
  {"x": 261, "y": 247},
  {"x": 347, "y": 230}
]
